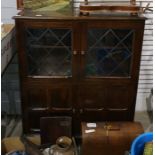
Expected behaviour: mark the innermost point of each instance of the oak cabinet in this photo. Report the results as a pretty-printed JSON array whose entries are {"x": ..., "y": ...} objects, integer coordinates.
[{"x": 83, "y": 67}]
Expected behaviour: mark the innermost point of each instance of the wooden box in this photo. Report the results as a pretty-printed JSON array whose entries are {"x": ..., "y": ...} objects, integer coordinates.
[{"x": 109, "y": 138}]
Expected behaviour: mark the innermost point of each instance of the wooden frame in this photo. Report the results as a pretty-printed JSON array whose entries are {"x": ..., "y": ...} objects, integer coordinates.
[
  {"x": 19, "y": 4},
  {"x": 109, "y": 105}
]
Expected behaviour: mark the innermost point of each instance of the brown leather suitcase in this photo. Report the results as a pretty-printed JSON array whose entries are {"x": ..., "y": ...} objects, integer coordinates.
[{"x": 109, "y": 138}]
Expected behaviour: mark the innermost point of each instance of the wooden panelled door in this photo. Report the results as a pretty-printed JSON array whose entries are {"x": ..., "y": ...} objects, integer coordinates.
[
  {"x": 108, "y": 84},
  {"x": 47, "y": 62}
]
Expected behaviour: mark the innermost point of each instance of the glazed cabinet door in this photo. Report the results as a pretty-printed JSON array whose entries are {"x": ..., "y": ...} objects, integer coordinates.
[
  {"x": 47, "y": 57},
  {"x": 111, "y": 50},
  {"x": 48, "y": 49},
  {"x": 110, "y": 58}
]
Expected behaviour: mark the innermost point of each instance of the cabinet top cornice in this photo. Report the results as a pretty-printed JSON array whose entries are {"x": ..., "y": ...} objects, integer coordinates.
[{"x": 24, "y": 14}]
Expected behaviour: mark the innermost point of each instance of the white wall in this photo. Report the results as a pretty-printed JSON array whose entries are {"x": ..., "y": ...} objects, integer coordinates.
[
  {"x": 8, "y": 10},
  {"x": 146, "y": 68}
]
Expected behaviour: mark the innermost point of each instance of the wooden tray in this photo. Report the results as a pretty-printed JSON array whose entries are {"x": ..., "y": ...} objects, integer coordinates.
[{"x": 88, "y": 7}]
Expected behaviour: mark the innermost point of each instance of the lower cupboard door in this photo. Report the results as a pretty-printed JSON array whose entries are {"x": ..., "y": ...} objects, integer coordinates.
[
  {"x": 120, "y": 102},
  {"x": 92, "y": 99}
]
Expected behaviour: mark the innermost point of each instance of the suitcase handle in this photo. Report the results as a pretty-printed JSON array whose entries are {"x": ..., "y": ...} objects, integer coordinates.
[{"x": 110, "y": 127}]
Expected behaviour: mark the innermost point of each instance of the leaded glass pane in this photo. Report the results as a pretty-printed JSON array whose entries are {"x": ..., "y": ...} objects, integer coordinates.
[
  {"x": 109, "y": 52},
  {"x": 49, "y": 52}
]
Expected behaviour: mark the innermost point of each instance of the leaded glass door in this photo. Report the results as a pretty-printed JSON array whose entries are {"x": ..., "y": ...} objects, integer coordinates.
[
  {"x": 107, "y": 69},
  {"x": 109, "y": 52},
  {"x": 49, "y": 52},
  {"x": 48, "y": 70}
]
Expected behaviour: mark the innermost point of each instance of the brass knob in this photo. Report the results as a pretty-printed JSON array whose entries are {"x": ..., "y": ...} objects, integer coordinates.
[
  {"x": 75, "y": 52},
  {"x": 82, "y": 52}
]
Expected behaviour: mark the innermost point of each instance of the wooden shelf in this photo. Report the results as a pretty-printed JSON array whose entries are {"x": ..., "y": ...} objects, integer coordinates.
[{"x": 48, "y": 46}]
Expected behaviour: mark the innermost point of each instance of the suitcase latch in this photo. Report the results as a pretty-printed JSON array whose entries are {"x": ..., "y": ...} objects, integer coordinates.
[{"x": 110, "y": 128}]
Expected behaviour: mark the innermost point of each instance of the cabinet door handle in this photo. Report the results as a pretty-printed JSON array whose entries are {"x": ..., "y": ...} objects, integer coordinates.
[
  {"x": 82, "y": 52},
  {"x": 35, "y": 130},
  {"x": 116, "y": 109},
  {"x": 74, "y": 52},
  {"x": 93, "y": 109},
  {"x": 39, "y": 109},
  {"x": 63, "y": 109}
]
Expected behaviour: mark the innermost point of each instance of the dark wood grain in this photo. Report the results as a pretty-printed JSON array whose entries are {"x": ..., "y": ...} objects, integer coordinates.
[
  {"x": 70, "y": 16},
  {"x": 93, "y": 98},
  {"x": 19, "y": 4},
  {"x": 88, "y": 8},
  {"x": 54, "y": 127},
  {"x": 109, "y": 137}
]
